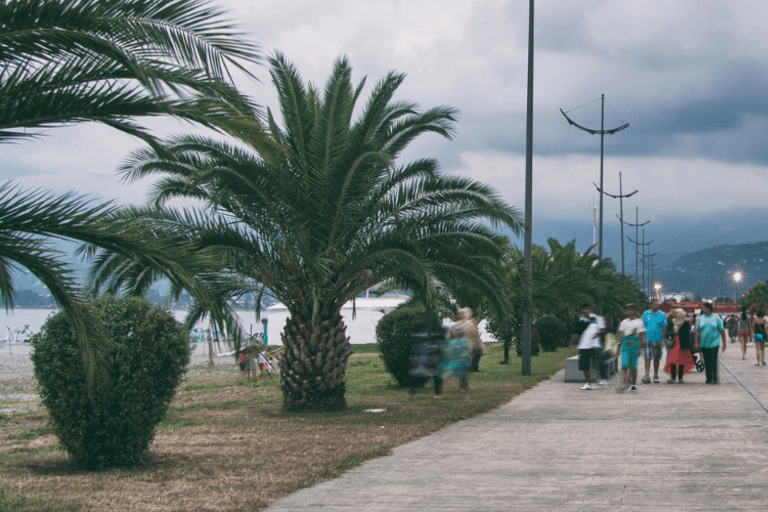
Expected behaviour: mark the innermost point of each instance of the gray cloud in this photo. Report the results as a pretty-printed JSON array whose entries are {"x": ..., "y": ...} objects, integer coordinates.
[{"x": 688, "y": 75}]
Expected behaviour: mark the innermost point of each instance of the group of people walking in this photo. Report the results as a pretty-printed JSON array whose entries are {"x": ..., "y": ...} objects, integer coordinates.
[
  {"x": 650, "y": 333},
  {"x": 750, "y": 327},
  {"x": 453, "y": 353}
]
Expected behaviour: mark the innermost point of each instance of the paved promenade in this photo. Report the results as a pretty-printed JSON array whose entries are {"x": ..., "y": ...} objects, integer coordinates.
[{"x": 668, "y": 447}]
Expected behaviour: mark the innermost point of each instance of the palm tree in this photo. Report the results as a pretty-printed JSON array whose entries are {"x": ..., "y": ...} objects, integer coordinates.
[
  {"x": 29, "y": 224},
  {"x": 561, "y": 280},
  {"x": 112, "y": 61},
  {"x": 326, "y": 215},
  {"x": 109, "y": 61},
  {"x": 757, "y": 295}
]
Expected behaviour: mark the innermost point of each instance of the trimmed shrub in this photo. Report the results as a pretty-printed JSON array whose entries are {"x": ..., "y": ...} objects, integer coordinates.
[
  {"x": 395, "y": 336},
  {"x": 551, "y": 331},
  {"x": 147, "y": 352}
]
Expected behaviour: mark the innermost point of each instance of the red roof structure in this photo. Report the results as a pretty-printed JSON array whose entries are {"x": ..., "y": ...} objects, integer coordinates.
[{"x": 723, "y": 308}]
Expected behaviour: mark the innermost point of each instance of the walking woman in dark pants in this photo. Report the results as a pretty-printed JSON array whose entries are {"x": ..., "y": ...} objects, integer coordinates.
[{"x": 709, "y": 331}]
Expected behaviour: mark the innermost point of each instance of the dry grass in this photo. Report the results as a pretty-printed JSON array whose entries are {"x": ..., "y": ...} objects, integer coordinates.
[{"x": 227, "y": 446}]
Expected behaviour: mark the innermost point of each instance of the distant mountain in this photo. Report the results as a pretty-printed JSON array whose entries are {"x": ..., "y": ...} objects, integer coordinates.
[
  {"x": 709, "y": 272},
  {"x": 686, "y": 264},
  {"x": 23, "y": 280}
]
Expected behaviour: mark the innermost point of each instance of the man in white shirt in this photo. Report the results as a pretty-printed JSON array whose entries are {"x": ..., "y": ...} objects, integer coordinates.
[{"x": 590, "y": 329}]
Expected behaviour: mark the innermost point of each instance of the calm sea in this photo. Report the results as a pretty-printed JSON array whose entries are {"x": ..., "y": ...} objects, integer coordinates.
[{"x": 20, "y": 323}]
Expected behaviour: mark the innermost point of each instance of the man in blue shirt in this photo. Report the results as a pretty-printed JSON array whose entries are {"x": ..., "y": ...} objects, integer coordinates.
[{"x": 655, "y": 331}]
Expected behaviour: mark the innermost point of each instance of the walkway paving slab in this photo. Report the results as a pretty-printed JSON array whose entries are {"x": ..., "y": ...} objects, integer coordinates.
[{"x": 675, "y": 447}]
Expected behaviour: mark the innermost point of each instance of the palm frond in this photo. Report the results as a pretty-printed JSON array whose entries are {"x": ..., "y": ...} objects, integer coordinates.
[{"x": 67, "y": 61}]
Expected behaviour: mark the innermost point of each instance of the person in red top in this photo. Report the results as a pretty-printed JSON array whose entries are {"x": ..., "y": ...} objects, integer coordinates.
[{"x": 679, "y": 358}]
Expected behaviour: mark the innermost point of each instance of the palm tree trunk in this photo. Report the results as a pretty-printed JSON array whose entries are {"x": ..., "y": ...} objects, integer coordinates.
[{"x": 313, "y": 364}]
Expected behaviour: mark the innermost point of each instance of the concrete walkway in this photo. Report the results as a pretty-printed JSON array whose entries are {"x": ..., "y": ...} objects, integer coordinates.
[{"x": 667, "y": 447}]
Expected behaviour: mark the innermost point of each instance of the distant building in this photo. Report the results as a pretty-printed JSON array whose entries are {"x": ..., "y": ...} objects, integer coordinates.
[
  {"x": 676, "y": 297},
  {"x": 721, "y": 308}
]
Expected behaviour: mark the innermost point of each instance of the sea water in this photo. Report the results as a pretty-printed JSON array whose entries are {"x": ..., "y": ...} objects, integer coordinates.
[{"x": 19, "y": 324}]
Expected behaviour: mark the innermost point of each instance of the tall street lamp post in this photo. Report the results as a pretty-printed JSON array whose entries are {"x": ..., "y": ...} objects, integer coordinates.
[
  {"x": 527, "y": 246},
  {"x": 602, "y": 132}
]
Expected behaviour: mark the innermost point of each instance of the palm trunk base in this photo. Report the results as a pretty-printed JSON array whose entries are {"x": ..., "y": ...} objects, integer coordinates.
[{"x": 313, "y": 365}]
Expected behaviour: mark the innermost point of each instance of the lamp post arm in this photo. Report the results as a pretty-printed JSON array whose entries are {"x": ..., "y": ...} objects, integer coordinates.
[
  {"x": 639, "y": 243},
  {"x": 633, "y": 225},
  {"x": 615, "y": 196},
  {"x": 589, "y": 130}
]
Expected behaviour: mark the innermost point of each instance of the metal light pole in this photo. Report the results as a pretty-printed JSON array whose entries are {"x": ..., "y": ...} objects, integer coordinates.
[
  {"x": 527, "y": 257},
  {"x": 602, "y": 132},
  {"x": 636, "y": 226},
  {"x": 643, "y": 244},
  {"x": 651, "y": 267},
  {"x": 620, "y": 197}
]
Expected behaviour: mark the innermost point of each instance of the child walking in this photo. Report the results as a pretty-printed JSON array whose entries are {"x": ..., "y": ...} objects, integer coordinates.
[{"x": 631, "y": 342}]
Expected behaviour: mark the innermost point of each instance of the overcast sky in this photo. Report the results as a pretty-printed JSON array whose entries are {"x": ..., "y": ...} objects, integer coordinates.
[{"x": 690, "y": 76}]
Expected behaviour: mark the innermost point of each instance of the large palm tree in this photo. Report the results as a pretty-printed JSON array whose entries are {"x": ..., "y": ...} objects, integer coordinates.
[
  {"x": 108, "y": 61},
  {"x": 112, "y": 61},
  {"x": 327, "y": 214}
]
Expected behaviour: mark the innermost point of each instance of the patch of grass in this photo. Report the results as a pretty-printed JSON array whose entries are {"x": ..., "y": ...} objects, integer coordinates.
[
  {"x": 226, "y": 444},
  {"x": 366, "y": 348},
  {"x": 174, "y": 423},
  {"x": 28, "y": 434},
  {"x": 204, "y": 386},
  {"x": 17, "y": 502},
  {"x": 10, "y": 501}
]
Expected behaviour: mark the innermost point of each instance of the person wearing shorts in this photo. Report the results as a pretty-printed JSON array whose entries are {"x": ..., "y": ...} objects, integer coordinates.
[
  {"x": 744, "y": 331},
  {"x": 759, "y": 330},
  {"x": 589, "y": 329},
  {"x": 631, "y": 339},
  {"x": 655, "y": 322}
]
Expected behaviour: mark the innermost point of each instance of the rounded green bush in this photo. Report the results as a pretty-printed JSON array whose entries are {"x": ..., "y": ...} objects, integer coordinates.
[
  {"x": 551, "y": 331},
  {"x": 146, "y": 351},
  {"x": 395, "y": 336}
]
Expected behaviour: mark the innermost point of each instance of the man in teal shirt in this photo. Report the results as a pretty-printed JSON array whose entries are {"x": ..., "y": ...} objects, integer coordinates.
[
  {"x": 655, "y": 331},
  {"x": 709, "y": 332}
]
